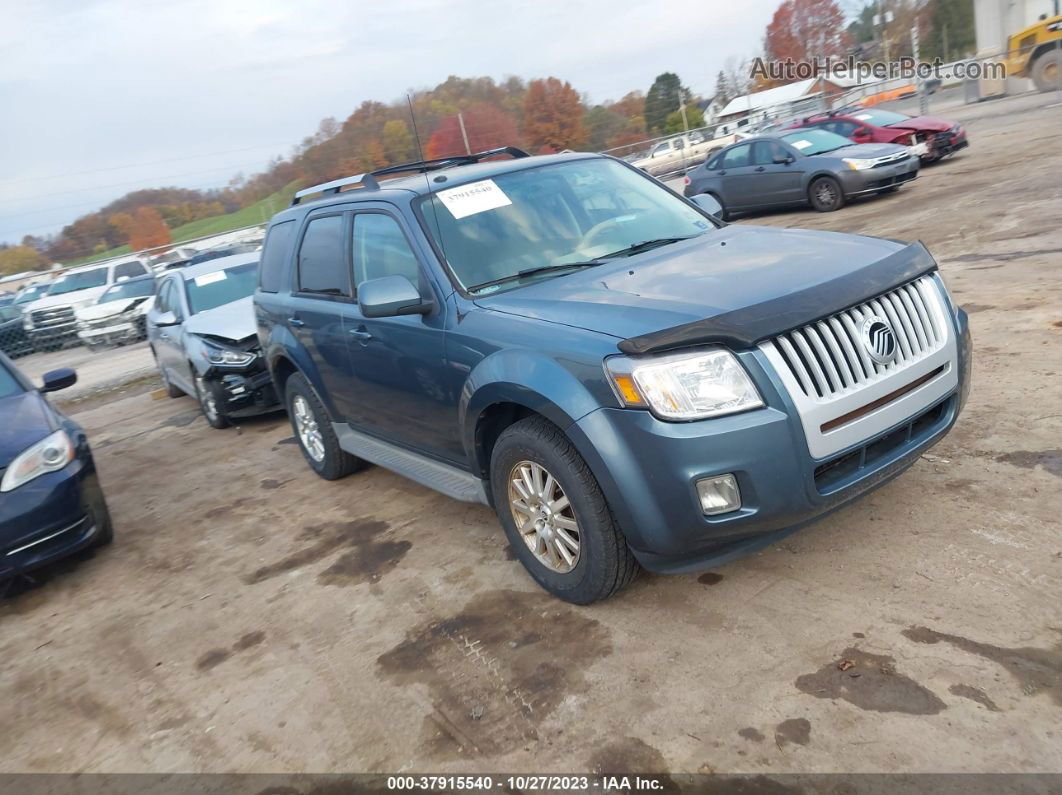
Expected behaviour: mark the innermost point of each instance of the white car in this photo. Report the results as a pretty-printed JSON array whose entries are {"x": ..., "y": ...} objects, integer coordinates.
[
  {"x": 119, "y": 315},
  {"x": 49, "y": 321}
]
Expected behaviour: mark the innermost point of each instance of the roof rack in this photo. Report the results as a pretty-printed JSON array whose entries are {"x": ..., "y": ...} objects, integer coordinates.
[{"x": 368, "y": 180}]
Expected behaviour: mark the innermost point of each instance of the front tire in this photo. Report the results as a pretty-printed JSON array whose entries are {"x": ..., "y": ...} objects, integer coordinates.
[
  {"x": 555, "y": 516},
  {"x": 825, "y": 195},
  {"x": 210, "y": 403},
  {"x": 313, "y": 430},
  {"x": 1047, "y": 71}
]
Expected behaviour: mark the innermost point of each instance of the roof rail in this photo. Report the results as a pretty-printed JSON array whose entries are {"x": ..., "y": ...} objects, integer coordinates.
[{"x": 368, "y": 180}]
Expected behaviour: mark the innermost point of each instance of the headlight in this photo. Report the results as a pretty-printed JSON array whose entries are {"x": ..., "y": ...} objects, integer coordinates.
[
  {"x": 689, "y": 386},
  {"x": 857, "y": 163},
  {"x": 226, "y": 357},
  {"x": 48, "y": 455}
]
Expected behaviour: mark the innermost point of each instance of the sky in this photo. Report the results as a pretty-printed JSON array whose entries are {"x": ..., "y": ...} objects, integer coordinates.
[{"x": 98, "y": 98}]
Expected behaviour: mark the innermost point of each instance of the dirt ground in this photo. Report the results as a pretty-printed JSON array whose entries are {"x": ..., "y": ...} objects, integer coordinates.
[{"x": 251, "y": 617}]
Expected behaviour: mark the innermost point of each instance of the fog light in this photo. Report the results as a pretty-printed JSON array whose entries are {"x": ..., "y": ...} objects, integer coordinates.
[{"x": 719, "y": 494}]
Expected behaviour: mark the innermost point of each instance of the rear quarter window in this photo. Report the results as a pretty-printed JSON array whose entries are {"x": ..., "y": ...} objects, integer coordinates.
[{"x": 272, "y": 273}]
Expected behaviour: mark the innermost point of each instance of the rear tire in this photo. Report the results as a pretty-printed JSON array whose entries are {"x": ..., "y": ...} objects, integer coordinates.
[
  {"x": 312, "y": 426},
  {"x": 825, "y": 194},
  {"x": 564, "y": 496},
  {"x": 1047, "y": 71}
]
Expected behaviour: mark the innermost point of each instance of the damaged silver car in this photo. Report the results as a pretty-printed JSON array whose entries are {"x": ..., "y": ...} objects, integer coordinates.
[{"x": 202, "y": 333}]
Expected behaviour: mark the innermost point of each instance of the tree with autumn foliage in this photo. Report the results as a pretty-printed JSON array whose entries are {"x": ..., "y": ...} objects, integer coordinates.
[
  {"x": 487, "y": 127},
  {"x": 148, "y": 229},
  {"x": 805, "y": 30},
  {"x": 553, "y": 116}
]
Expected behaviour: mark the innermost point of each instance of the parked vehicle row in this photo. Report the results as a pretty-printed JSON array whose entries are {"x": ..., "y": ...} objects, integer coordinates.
[{"x": 823, "y": 160}]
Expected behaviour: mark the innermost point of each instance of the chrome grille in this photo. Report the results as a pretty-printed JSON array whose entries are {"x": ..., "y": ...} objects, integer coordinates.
[
  {"x": 54, "y": 316},
  {"x": 827, "y": 357}
]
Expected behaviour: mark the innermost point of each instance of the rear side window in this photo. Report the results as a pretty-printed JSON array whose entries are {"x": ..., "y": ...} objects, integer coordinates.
[
  {"x": 275, "y": 256},
  {"x": 322, "y": 266}
]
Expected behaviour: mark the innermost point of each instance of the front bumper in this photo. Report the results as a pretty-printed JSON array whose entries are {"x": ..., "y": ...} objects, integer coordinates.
[
  {"x": 115, "y": 331},
  {"x": 870, "y": 180},
  {"x": 648, "y": 469},
  {"x": 51, "y": 517},
  {"x": 944, "y": 144},
  {"x": 243, "y": 394}
]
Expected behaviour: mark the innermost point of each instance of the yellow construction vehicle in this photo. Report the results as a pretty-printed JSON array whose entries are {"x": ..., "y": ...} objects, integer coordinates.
[{"x": 1036, "y": 52}]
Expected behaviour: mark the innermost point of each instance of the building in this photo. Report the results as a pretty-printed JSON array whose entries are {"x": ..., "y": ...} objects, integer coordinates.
[{"x": 803, "y": 96}]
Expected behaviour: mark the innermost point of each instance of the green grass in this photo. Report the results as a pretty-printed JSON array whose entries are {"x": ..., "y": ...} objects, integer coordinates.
[{"x": 257, "y": 213}]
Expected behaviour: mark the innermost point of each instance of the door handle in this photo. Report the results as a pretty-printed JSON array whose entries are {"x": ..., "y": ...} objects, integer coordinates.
[
  {"x": 759, "y": 168},
  {"x": 294, "y": 321},
  {"x": 360, "y": 334}
]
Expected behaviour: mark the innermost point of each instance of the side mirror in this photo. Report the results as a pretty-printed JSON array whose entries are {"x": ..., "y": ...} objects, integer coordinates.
[
  {"x": 163, "y": 319},
  {"x": 389, "y": 296},
  {"x": 708, "y": 203},
  {"x": 54, "y": 380},
  {"x": 784, "y": 160}
]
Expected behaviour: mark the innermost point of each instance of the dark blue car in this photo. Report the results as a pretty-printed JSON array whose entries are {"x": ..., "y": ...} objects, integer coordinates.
[
  {"x": 51, "y": 503},
  {"x": 623, "y": 377}
]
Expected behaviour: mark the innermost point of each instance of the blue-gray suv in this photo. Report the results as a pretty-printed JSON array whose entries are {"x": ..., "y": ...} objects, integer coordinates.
[{"x": 626, "y": 379}]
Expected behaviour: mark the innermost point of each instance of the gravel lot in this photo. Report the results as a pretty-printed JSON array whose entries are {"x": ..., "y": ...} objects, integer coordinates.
[{"x": 251, "y": 617}]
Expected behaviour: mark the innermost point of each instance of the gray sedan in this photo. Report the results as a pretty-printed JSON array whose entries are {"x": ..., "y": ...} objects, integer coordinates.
[{"x": 806, "y": 166}]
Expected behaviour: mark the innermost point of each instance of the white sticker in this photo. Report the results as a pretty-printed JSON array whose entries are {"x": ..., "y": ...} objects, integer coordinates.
[
  {"x": 864, "y": 116},
  {"x": 801, "y": 144},
  {"x": 475, "y": 197},
  {"x": 209, "y": 278}
]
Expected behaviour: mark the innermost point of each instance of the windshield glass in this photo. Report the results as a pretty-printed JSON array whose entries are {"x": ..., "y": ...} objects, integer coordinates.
[
  {"x": 815, "y": 142},
  {"x": 32, "y": 294},
  {"x": 137, "y": 289},
  {"x": 879, "y": 118},
  {"x": 79, "y": 281},
  {"x": 211, "y": 290},
  {"x": 8, "y": 385},
  {"x": 551, "y": 215}
]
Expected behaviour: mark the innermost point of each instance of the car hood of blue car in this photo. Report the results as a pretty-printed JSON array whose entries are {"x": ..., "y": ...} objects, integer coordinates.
[
  {"x": 720, "y": 273},
  {"x": 27, "y": 420}
]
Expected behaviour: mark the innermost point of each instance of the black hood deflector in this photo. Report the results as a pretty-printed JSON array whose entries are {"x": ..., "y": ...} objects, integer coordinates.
[{"x": 745, "y": 327}]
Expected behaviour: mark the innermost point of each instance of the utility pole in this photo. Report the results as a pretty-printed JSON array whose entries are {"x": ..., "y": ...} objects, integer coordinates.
[
  {"x": 464, "y": 135},
  {"x": 945, "y": 32},
  {"x": 923, "y": 97}
]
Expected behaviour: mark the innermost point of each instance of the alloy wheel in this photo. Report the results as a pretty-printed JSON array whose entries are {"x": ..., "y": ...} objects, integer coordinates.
[
  {"x": 544, "y": 517},
  {"x": 207, "y": 399},
  {"x": 306, "y": 427}
]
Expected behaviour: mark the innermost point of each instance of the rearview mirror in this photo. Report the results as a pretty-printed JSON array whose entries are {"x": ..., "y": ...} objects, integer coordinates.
[
  {"x": 708, "y": 203},
  {"x": 389, "y": 296},
  {"x": 163, "y": 319},
  {"x": 54, "y": 380}
]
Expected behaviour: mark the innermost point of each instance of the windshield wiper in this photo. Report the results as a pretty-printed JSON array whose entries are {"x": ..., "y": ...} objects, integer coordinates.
[
  {"x": 647, "y": 245},
  {"x": 557, "y": 266}
]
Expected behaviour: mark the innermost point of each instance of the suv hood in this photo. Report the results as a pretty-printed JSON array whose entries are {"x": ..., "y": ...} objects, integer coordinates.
[
  {"x": 233, "y": 321},
  {"x": 737, "y": 285},
  {"x": 75, "y": 298}
]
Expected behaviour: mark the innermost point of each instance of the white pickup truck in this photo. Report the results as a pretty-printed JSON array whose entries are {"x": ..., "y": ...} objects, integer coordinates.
[{"x": 680, "y": 153}]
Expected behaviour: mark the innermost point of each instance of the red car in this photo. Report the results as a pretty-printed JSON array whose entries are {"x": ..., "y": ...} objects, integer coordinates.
[{"x": 929, "y": 138}]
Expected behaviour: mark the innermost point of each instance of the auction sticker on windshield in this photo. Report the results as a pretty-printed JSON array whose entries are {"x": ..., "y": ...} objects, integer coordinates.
[
  {"x": 801, "y": 144},
  {"x": 209, "y": 278},
  {"x": 475, "y": 197}
]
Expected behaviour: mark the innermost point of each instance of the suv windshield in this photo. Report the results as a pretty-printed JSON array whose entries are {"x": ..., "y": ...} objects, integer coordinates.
[
  {"x": 211, "y": 290},
  {"x": 525, "y": 222},
  {"x": 879, "y": 118},
  {"x": 131, "y": 289},
  {"x": 79, "y": 281},
  {"x": 815, "y": 142}
]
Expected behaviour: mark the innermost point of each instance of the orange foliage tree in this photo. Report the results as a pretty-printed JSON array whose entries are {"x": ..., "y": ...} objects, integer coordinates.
[
  {"x": 553, "y": 116},
  {"x": 487, "y": 127},
  {"x": 806, "y": 29},
  {"x": 148, "y": 229}
]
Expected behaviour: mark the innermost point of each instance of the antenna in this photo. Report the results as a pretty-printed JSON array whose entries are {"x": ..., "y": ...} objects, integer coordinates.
[{"x": 427, "y": 181}]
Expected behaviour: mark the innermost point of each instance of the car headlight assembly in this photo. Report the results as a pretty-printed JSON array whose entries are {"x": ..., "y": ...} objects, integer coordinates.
[
  {"x": 48, "y": 455},
  {"x": 858, "y": 163},
  {"x": 689, "y": 386},
  {"x": 227, "y": 357}
]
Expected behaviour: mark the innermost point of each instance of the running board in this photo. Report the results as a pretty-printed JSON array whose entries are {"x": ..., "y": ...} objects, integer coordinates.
[{"x": 449, "y": 480}]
